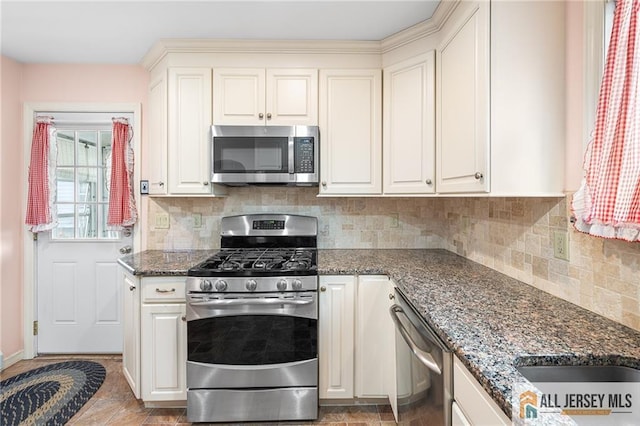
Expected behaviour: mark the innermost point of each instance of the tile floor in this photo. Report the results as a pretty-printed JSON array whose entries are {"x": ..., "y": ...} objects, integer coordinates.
[{"x": 114, "y": 404}]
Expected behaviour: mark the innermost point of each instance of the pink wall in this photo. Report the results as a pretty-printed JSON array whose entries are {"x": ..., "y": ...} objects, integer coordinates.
[
  {"x": 39, "y": 83},
  {"x": 10, "y": 208}
]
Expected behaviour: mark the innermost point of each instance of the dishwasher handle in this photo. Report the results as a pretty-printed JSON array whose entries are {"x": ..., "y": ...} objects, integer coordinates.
[{"x": 425, "y": 357}]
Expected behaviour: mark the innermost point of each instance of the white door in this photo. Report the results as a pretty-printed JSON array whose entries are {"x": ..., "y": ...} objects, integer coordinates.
[{"x": 78, "y": 297}]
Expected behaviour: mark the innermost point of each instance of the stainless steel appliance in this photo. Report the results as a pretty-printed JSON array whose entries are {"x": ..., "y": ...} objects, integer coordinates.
[
  {"x": 424, "y": 368},
  {"x": 284, "y": 155},
  {"x": 252, "y": 323}
]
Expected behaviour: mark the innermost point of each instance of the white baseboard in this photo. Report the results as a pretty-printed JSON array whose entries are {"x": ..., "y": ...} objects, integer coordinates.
[{"x": 12, "y": 359}]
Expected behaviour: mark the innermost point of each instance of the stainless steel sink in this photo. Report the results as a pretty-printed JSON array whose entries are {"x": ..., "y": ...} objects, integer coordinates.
[{"x": 572, "y": 373}]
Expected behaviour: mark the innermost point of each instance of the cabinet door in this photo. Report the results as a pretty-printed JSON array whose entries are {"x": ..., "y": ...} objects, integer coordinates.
[
  {"x": 189, "y": 130},
  {"x": 164, "y": 348},
  {"x": 239, "y": 96},
  {"x": 463, "y": 101},
  {"x": 157, "y": 139},
  {"x": 390, "y": 349},
  {"x": 409, "y": 126},
  {"x": 335, "y": 336},
  {"x": 131, "y": 330},
  {"x": 292, "y": 97},
  {"x": 373, "y": 335},
  {"x": 350, "y": 119}
]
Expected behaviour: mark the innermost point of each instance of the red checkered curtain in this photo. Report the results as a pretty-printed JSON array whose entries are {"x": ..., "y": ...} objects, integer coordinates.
[
  {"x": 608, "y": 201},
  {"x": 122, "y": 204},
  {"x": 41, "y": 212}
]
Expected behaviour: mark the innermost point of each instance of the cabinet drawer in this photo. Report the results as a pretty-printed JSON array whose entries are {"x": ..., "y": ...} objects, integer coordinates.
[
  {"x": 473, "y": 400},
  {"x": 163, "y": 289}
]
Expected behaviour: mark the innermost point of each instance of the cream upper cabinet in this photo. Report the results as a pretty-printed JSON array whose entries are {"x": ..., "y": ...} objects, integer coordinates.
[
  {"x": 157, "y": 139},
  {"x": 501, "y": 99},
  {"x": 351, "y": 126},
  {"x": 463, "y": 102},
  {"x": 258, "y": 96},
  {"x": 189, "y": 146},
  {"x": 409, "y": 126}
]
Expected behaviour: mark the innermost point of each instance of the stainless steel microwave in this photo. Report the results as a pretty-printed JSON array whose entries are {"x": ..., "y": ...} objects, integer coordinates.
[{"x": 276, "y": 155}]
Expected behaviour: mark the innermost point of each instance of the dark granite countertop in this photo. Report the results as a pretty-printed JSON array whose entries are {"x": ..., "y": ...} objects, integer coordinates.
[{"x": 491, "y": 322}]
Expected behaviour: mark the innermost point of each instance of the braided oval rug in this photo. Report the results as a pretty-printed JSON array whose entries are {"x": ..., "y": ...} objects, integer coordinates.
[{"x": 49, "y": 395}]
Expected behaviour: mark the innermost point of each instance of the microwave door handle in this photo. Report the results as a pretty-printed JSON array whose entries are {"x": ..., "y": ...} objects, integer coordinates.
[
  {"x": 291, "y": 153},
  {"x": 425, "y": 357}
]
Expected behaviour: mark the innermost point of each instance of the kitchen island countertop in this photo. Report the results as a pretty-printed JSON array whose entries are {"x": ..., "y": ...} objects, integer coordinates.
[{"x": 492, "y": 322}]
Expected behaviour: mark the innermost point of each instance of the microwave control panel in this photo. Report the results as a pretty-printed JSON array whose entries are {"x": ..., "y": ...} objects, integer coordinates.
[{"x": 304, "y": 153}]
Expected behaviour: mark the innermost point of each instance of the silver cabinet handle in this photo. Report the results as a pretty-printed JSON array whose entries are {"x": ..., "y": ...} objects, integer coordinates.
[
  {"x": 261, "y": 116},
  {"x": 323, "y": 288},
  {"x": 183, "y": 318},
  {"x": 243, "y": 302},
  {"x": 478, "y": 175},
  {"x": 391, "y": 296},
  {"x": 132, "y": 287},
  {"x": 428, "y": 182},
  {"x": 162, "y": 290},
  {"x": 126, "y": 249},
  {"x": 160, "y": 183},
  {"x": 268, "y": 116},
  {"x": 205, "y": 183},
  {"x": 425, "y": 357},
  {"x": 324, "y": 184}
]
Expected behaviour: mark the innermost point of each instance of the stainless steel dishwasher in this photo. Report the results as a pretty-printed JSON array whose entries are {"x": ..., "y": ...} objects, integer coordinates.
[{"x": 424, "y": 368}]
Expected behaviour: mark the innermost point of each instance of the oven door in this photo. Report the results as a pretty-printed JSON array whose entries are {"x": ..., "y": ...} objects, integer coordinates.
[{"x": 252, "y": 340}]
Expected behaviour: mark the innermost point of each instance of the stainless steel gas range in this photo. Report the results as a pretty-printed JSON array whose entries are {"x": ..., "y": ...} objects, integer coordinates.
[{"x": 252, "y": 323}]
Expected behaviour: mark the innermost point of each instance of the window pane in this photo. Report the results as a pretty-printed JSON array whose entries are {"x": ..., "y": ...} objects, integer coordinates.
[
  {"x": 87, "y": 150},
  {"x": 105, "y": 149},
  {"x": 87, "y": 220},
  {"x": 65, "y": 142},
  {"x": 65, "y": 227},
  {"x": 87, "y": 184},
  {"x": 104, "y": 232},
  {"x": 64, "y": 185}
]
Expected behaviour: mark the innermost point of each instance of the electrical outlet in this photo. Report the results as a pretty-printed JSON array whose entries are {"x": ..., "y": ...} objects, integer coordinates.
[
  {"x": 144, "y": 187},
  {"x": 197, "y": 220},
  {"x": 394, "y": 220},
  {"x": 162, "y": 220},
  {"x": 561, "y": 245}
]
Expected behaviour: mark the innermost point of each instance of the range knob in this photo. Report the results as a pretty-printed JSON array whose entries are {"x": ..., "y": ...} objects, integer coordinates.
[
  {"x": 296, "y": 284},
  {"x": 221, "y": 285},
  {"x": 282, "y": 285},
  {"x": 251, "y": 285},
  {"x": 205, "y": 285}
]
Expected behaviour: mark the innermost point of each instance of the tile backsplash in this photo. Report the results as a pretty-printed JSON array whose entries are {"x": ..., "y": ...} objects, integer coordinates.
[{"x": 511, "y": 235}]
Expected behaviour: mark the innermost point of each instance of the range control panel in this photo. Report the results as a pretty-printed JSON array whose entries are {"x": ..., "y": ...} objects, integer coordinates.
[{"x": 268, "y": 224}]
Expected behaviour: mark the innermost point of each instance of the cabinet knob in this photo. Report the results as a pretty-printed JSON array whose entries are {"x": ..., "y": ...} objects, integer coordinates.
[
  {"x": 160, "y": 183},
  {"x": 428, "y": 182},
  {"x": 205, "y": 183},
  {"x": 132, "y": 287},
  {"x": 268, "y": 116},
  {"x": 184, "y": 318},
  {"x": 324, "y": 184},
  {"x": 478, "y": 176},
  {"x": 261, "y": 116},
  {"x": 391, "y": 296},
  {"x": 323, "y": 288}
]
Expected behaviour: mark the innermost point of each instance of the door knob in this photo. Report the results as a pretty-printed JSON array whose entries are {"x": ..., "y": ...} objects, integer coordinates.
[{"x": 126, "y": 249}]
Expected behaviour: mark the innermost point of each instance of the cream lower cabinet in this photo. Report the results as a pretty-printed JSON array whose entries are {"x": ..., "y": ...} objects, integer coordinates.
[
  {"x": 336, "y": 317},
  {"x": 351, "y": 125},
  {"x": 472, "y": 404},
  {"x": 409, "y": 126},
  {"x": 258, "y": 96},
  {"x": 131, "y": 329},
  {"x": 155, "y": 338},
  {"x": 355, "y": 337}
]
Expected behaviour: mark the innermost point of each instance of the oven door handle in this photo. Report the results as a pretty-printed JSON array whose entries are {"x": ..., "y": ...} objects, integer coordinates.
[
  {"x": 244, "y": 302},
  {"x": 425, "y": 357}
]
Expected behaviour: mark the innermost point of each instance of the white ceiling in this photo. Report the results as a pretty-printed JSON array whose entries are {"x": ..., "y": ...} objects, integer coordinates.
[{"x": 123, "y": 31}]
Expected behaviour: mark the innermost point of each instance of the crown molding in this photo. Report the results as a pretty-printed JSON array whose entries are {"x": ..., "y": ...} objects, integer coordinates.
[
  {"x": 347, "y": 47},
  {"x": 421, "y": 29},
  {"x": 166, "y": 46}
]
